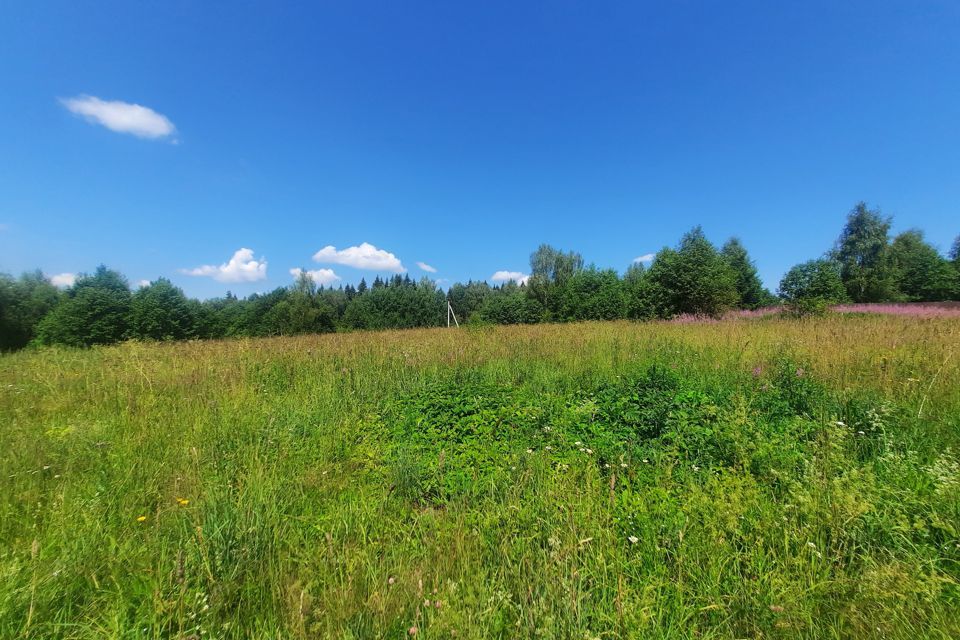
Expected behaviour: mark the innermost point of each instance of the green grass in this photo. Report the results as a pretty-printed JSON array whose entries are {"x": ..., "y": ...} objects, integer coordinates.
[{"x": 768, "y": 478}]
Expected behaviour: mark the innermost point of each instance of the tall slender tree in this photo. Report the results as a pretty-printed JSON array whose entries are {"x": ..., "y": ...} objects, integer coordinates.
[{"x": 863, "y": 254}]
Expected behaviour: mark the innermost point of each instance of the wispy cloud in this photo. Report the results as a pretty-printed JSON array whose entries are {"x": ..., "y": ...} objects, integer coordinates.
[
  {"x": 122, "y": 117},
  {"x": 63, "y": 280},
  {"x": 364, "y": 256},
  {"x": 426, "y": 267},
  {"x": 320, "y": 276},
  {"x": 647, "y": 257},
  {"x": 242, "y": 267},
  {"x": 143, "y": 283},
  {"x": 507, "y": 276}
]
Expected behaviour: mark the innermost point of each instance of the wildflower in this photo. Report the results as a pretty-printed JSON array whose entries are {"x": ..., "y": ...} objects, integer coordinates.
[
  {"x": 547, "y": 429},
  {"x": 141, "y": 518},
  {"x": 426, "y": 602},
  {"x": 577, "y": 443},
  {"x": 436, "y": 604},
  {"x": 757, "y": 370},
  {"x": 391, "y": 580},
  {"x": 696, "y": 468},
  {"x": 548, "y": 448},
  {"x": 529, "y": 450},
  {"x": 606, "y": 465},
  {"x": 633, "y": 539},
  {"x": 799, "y": 372},
  {"x": 776, "y": 608},
  {"x": 589, "y": 452},
  {"x": 412, "y": 631},
  {"x": 840, "y": 423},
  {"x": 861, "y": 433},
  {"x": 183, "y": 502},
  {"x": 645, "y": 461}
]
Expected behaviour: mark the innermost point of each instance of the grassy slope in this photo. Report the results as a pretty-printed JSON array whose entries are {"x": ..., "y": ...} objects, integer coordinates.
[{"x": 488, "y": 483}]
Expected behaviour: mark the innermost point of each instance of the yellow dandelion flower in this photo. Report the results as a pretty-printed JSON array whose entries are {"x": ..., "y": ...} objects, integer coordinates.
[
  {"x": 183, "y": 502},
  {"x": 141, "y": 518}
]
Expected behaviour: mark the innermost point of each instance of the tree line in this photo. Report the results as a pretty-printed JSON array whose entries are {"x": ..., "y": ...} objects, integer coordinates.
[{"x": 695, "y": 277}]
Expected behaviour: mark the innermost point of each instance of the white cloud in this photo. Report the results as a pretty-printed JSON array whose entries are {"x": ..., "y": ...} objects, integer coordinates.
[
  {"x": 63, "y": 279},
  {"x": 241, "y": 268},
  {"x": 320, "y": 276},
  {"x": 144, "y": 283},
  {"x": 426, "y": 267},
  {"x": 121, "y": 117},
  {"x": 365, "y": 256},
  {"x": 507, "y": 276},
  {"x": 647, "y": 257}
]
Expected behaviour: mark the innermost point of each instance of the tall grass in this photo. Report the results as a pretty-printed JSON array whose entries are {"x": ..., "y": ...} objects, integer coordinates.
[{"x": 752, "y": 478}]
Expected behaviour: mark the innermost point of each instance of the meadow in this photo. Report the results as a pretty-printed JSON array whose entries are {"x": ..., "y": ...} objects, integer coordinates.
[{"x": 762, "y": 477}]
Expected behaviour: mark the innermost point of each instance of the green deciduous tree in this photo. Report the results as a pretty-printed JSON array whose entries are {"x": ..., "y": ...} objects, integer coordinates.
[
  {"x": 694, "y": 278},
  {"x": 467, "y": 299},
  {"x": 511, "y": 305},
  {"x": 550, "y": 269},
  {"x": 592, "y": 294},
  {"x": 643, "y": 299},
  {"x": 863, "y": 254},
  {"x": 921, "y": 273},
  {"x": 812, "y": 286},
  {"x": 160, "y": 311},
  {"x": 23, "y": 303},
  {"x": 96, "y": 311}
]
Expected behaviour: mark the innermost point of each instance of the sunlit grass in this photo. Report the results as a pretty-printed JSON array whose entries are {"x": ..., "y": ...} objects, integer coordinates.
[{"x": 764, "y": 477}]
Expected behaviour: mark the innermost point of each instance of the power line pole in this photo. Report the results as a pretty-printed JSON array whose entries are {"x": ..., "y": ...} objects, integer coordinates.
[{"x": 450, "y": 314}]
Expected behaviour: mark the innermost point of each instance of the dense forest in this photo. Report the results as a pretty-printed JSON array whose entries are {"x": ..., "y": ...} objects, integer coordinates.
[{"x": 695, "y": 277}]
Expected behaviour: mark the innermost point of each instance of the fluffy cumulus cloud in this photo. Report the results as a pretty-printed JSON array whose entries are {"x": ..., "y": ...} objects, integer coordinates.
[
  {"x": 122, "y": 117},
  {"x": 647, "y": 257},
  {"x": 507, "y": 276},
  {"x": 323, "y": 277},
  {"x": 242, "y": 267},
  {"x": 365, "y": 256},
  {"x": 143, "y": 283},
  {"x": 63, "y": 279},
  {"x": 426, "y": 267}
]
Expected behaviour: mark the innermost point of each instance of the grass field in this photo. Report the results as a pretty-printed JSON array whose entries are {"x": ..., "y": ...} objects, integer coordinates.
[{"x": 756, "y": 478}]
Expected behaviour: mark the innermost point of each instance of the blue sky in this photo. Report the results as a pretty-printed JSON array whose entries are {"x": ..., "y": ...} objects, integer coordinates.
[{"x": 462, "y": 135}]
